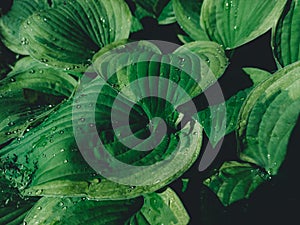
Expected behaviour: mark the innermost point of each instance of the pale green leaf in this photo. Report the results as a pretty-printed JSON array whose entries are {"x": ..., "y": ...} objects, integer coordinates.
[
  {"x": 268, "y": 117},
  {"x": 286, "y": 37},
  {"x": 257, "y": 75}
]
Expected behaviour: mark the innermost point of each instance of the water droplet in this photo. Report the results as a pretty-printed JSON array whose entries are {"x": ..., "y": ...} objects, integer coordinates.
[
  {"x": 41, "y": 71},
  {"x": 31, "y": 71},
  {"x": 44, "y": 60},
  {"x": 65, "y": 161},
  {"x": 12, "y": 79},
  {"x": 11, "y": 123},
  {"x": 39, "y": 208},
  {"x": 64, "y": 208},
  {"x": 189, "y": 18},
  {"x": 45, "y": 19},
  {"x": 82, "y": 119},
  {"x": 61, "y": 204},
  {"x": 62, "y": 150},
  {"x": 235, "y": 27},
  {"x": 78, "y": 106},
  {"x": 61, "y": 132}
]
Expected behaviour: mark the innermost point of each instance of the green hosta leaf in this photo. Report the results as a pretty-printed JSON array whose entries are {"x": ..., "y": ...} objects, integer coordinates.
[
  {"x": 136, "y": 25},
  {"x": 13, "y": 208},
  {"x": 224, "y": 115},
  {"x": 49, "y": 162},
  {"x": 257, "y": 75},
  {"x": 23, "y": 110},
  {"x": 167, "y": 15},
  {"x": 227, "y": 21},
  {"x": 188, "y": 16},
  {"x": 235, "y": 181},
  {"x": 150, "y": 7},
  {"x": 286, "y": 42},
  {"x": 68, "y": 35},
  {"x": 268, "y": 117},
  {"x": 79, "y": 211},
  {"x": 160, "y": 208},
  {"x": 11, "y": 22}
]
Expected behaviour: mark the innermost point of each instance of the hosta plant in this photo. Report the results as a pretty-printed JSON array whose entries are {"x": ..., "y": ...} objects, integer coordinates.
[{"x": 104, "y": 121}]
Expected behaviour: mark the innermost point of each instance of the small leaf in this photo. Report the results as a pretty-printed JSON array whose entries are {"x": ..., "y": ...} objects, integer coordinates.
[
  {"x": 150, "y": 7},
  {"x": 235, "y": 181},
  {"x": 167, "y": 15},
  {"x": 286, "y": 44},
  {"x": 257, "y": 75},
  {"x": 227, "y": 21},
  {"x": 11, "y": 22},
  {"x": 160, "y": 208},
  {"x": 222, "y": 116},
  {"x": 188, "y": 16},
  {"x": 77, "y": 211}
]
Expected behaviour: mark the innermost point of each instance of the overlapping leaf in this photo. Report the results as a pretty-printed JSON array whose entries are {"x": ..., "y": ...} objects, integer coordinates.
[
  {"x": 28, "y": 94},
  {"x": 286, "y": 42},
  {"x": 268, "y": 117},
  {"x": 188, "y": 16},
  {"x": 227, "y": 21},
  {"x": 79, "y": 211},
  {"x": 68, "y": 35},
  {"x": 160, "y": 208},
  {"x": 11, "y": 22},
  {"x": 265, "y": 123}
]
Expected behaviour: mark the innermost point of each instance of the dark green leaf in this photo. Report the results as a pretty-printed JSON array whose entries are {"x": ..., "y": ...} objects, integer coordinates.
[
  {"x": 151, "y": 8},
  {"x": 223, "y": 116},
  {"x": 227, "y": 21},
  {"x": 235, "y": 181}
]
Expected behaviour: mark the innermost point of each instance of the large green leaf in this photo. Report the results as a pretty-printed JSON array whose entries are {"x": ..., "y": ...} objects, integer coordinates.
[
  {"x": 286, "y": 37},
  {"x": 49, "y": 162},
  {"x": 24, "y": 107},
  {"x": 68, "y": 35},
  {"x": 268, "y": 117},
  {"x": 77, "y": 211},
  {"x": 160, "y": 208},
  {"x": 188, "y": 16},
  {"x": 224, "y": 115},
  {"x": 227, "y": 21},
  {"x": 235, "y": 181},
  {"x": 11, "y": 22}
]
